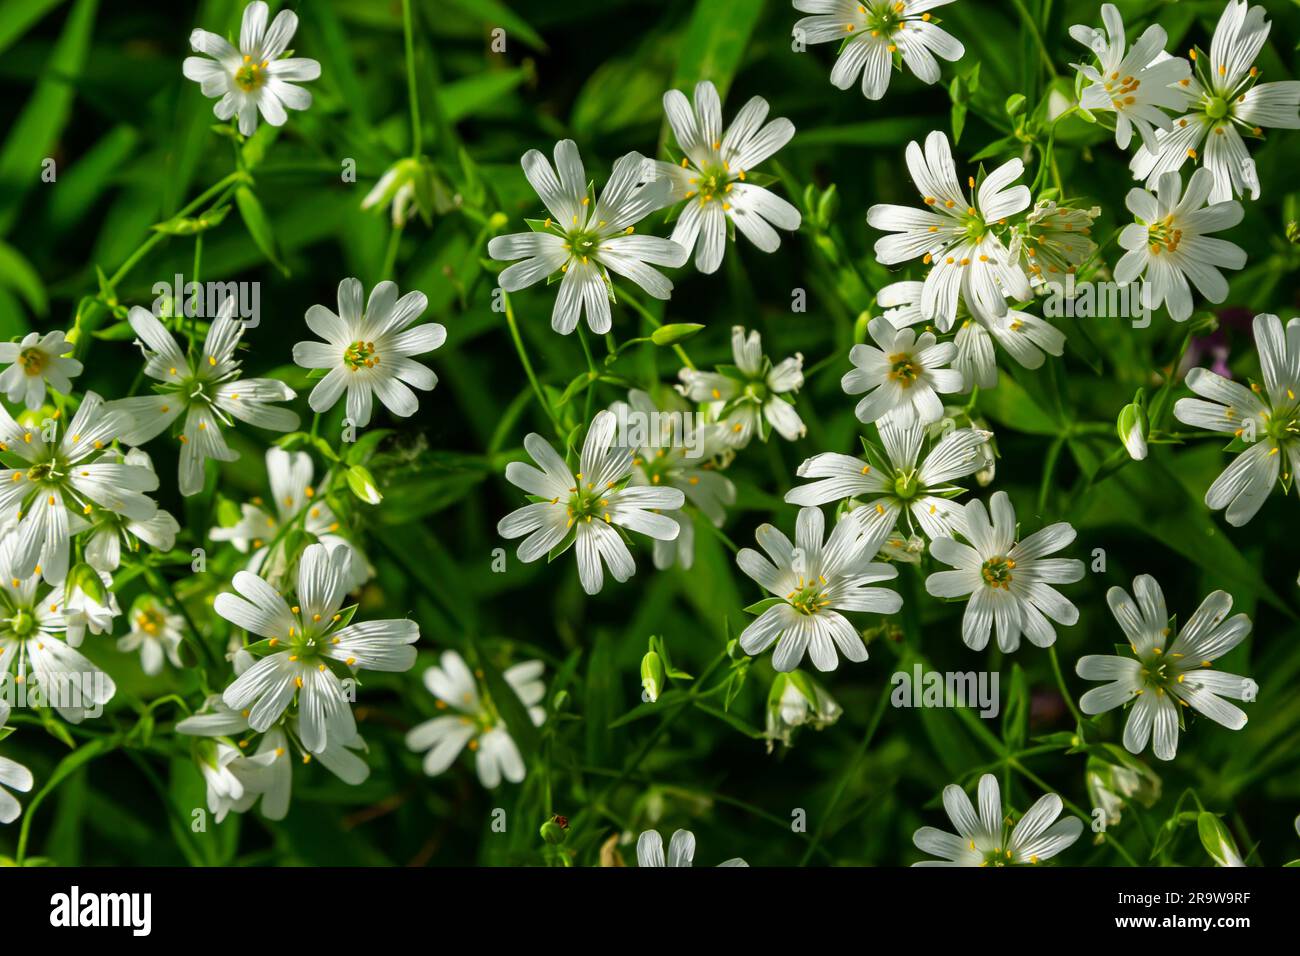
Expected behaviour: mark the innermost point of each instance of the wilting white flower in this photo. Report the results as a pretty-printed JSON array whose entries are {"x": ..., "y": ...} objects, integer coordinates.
[
  {"x": 583, "y": 508},
  {"x": 32, "y": 645},
  {"x": 1163, "y": 675},
  {"x": 1267, "y": 419},
  {"x": 256, "y": 76},
  {"x": 268, "y": 773},
  {"x": 67, "y": 479},
  {"x": 796, "y": 700},
  {"x": 1136, "y": 84},
  {"x": 409, "y": 185},
  {"x": 1025, "y": 337},
  {"x": 982, "y": 839},
  {"x": 681, "y": 850},
  {"x": 893, "y": 484},
  {"x": 156, "y": 633},
  {"x": 293, "y": 498},
  {"x": 672, "y": 449},
  {"x": 13, "y": 776},
  {"x": 206, "y": 388},
  {"x": 1052, "y": 241},
  {"x": 1223, "y": 100},
  {"x": 711, "y": 177},
  {"x": 109, "y": 531},
  {"x": 1170, "y": 243},
  {"x": 476, "y": 724},
  {"x": 586, "y": 240},
  {"x": 872, "y": 32},
  {"x": 812, "y": 581},
  {"x": 1008, "y": 583},
  {"x": 88, "y": 604},
  {"x": 901, "y": 376},
  {"x": 37, "y": 359},
  {"x": 754, "y": 396},
  {"x": 954, "y": 234},
  {"x": 367, "y": 351},
  {"x": 309, "y": 648}
]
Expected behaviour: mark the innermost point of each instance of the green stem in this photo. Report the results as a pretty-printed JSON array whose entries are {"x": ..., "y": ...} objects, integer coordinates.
[
  {"x": 68, "y": 765},
  {"x": 409, "y": 33},
  {"x": 528, "y": 365}
]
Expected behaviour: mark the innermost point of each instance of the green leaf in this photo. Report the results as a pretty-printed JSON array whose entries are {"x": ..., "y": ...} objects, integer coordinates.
[
  {"x": 259, "y": 227},
  {"x": 16, "y": 273},
  {"x": 715, "y": 42}
]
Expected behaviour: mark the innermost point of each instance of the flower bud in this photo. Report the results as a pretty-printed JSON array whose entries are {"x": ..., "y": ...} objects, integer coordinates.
[
  {"x": 652, "y": 675},
  {"x": 1133, "y": 429}
]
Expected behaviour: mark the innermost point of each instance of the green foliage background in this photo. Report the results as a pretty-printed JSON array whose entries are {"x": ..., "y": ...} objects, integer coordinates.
[{"x": 97, "y": 86}]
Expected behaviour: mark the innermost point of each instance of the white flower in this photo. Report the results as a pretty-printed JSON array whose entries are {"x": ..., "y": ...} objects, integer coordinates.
[
  {"x": 892, "y": 485},
  {"x": 13, "y": 776},
  {"x": 1025, "y": 337},
  {"x": 32, "y": 645},
  {"x": 586, "y": 240},
  {"x": 368, "y": 351},
  {"x": 1268, "y": 419},
  {"x": 812, "y": 581},
  {"x": 294, "y": 498},
  {"x": 678, "y": 454},
  {"x": 955, "y": 234},
  {"x": 1223, "y": 100},
  {"x": 476, "y": 723},
  {"x": 584, "y": 508},
  {"x": 1009, "y": 583},
  {"x": 305, "y": 646},
  {"x": 1136, "y": 84},
  {"x": 1052, "y": 241},
  {"x": 902, "y": 376},
  {"x": 156, "y": 633},
  {"x": 206, "y": 388},
  {"x": 754, "y": 396},
  {"x": 109, "y": 531},
  {"x": 983, "y": 840},
  {"x": 711, "y": 177},
  {"x": 255, "y": 76},
  {"x": 1161, "y": 676},
  {"x": 1170, "y": 243},
  {"x": 268, "y": 774},
  {"x": 794, "y": 701},
  {"x": 681, "y": 850},
  {"x": 85, "y": 611},
  {"x": 37, "y": 359},
  {"x": 872, "y": 31},
  {"x": 65, "y": 481}
]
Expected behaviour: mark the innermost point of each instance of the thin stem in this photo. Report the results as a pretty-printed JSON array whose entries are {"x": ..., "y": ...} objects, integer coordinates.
[
  {"x": 528, "y": 365},
  {"x": 409, "y": 32},
  {"x": 1060, "y": 682}
]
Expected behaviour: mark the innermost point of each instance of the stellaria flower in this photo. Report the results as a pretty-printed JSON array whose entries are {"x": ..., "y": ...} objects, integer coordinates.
[
  {"x": 587, "y": 240},
  {"x": 584, "y": 508},
  {"x": 983, "y": 840},
  {"x": 888, "y": 485},
  {"x": 956, "y": 234},
  {"x": 367, "y": 351},
  {"x": 681, "y": 850},
  {"x": 1266, "y": 419},
  {"x": 256, "y": 77},
  {"x": 110, "y": 531},
  {"x": 1163, "y": 675},
  {"x": 476, "y": 724},
  {"x": 796, "y": 700},
  {"x": 1137, "y": 84},
  {"x": 206, "y": 388},
  {"x": 37, "y": 359},
  {"x": 1223, "y": 101},
  {"x": 903, "y": 375},
  {"x": 13, "y": 776},
  {"x": 1170, "y": 243},
  {"x": 1009, "y": 583},
  {"x": 1052, "y": 241},
  {"x": 872, "y": 32},
  {"x": 754, "y": 396},
  {"x": 811, "y": 582},
  {"x": 156, "y": 633},
  {"x": 309, "y": 649},
  {"x": 712, "y": 174}
]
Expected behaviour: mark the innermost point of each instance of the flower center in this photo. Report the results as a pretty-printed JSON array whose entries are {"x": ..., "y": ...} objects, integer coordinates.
[
  {"x": 22, "y": 623},
  {"x": 149, "y": 621},
  {"x": 996, "y": 572},
  {"x": 809, "y": 597},
  {"x": 711, "y": 181},
  {"x": 905, "y": 486},
  {"x": 250, "y": 75},
  {"x": 586, "y": 501},
  {"x": 1284, "y": 425},
  {"x": 32, "y": 361},
  {"x": 884, "y": 18},
  {"x": 903, "y": 369},
  {"x": 1216, "y": 108},
  {"x": 360, "y": 355},
  {"x": 1164, "y": 234}
]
